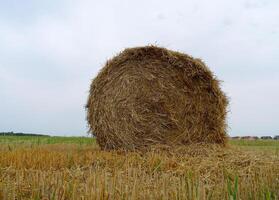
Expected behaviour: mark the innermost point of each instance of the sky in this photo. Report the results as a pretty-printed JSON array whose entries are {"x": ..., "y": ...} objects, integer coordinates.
[{"x": 51, "y": 50}]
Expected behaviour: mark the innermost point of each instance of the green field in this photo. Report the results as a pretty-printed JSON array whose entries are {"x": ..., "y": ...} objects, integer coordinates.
[
  {"x": 75, "y": 168},
  {"x": 257, "y": 144},
  {"x": 45, "y": 140},
  {"x": 247, "y": 144}
]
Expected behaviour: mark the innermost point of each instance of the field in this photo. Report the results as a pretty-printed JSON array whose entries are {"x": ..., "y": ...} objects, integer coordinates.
[{"x": 75, "y": 168}]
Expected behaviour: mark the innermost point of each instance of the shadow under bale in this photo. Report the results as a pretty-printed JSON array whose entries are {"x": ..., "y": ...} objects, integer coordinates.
[{"x": 149, "y": 95}]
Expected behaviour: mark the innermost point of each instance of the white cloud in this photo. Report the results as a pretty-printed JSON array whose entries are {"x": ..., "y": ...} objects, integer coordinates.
[
  {"x": 46, "y": 64},
  {"x": 254, "y": 107}
]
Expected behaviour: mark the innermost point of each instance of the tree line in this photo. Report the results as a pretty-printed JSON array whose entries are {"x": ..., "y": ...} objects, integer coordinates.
[{"x": 21, "y": 134}]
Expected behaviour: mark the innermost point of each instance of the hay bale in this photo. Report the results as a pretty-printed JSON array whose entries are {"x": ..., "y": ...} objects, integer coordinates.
[{"x": 151, "y": 95}]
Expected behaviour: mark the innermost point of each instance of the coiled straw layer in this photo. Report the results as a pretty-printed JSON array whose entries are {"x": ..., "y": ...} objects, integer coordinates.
[{"x": 149, "y": 95}]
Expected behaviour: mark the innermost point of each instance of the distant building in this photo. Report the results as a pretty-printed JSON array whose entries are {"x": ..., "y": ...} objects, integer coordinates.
[
  {"x": 235, "y": 138},
  {"x": 266, "y": 138},
  {"x": 249, "y": 138},
  {"x": 255, "y": 137}
]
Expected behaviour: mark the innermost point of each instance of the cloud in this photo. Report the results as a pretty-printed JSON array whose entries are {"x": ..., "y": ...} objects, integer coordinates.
[
  {"x": 253, "y": 107},
  {"x": 50, "y": 51}
]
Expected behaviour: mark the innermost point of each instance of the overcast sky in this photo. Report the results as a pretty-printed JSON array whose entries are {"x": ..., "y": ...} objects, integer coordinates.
[{"x": 50, "y": 51}]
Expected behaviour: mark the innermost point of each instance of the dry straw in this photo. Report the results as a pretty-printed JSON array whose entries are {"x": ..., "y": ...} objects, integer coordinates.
[{"x": 149, "y": 95}]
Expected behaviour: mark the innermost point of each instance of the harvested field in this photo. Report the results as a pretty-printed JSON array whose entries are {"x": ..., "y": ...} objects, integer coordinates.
[{"x": 79, "y": 169}]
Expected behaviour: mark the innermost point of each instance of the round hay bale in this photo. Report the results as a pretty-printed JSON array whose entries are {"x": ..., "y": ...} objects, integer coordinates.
[{"x": 149, "y": 95}]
